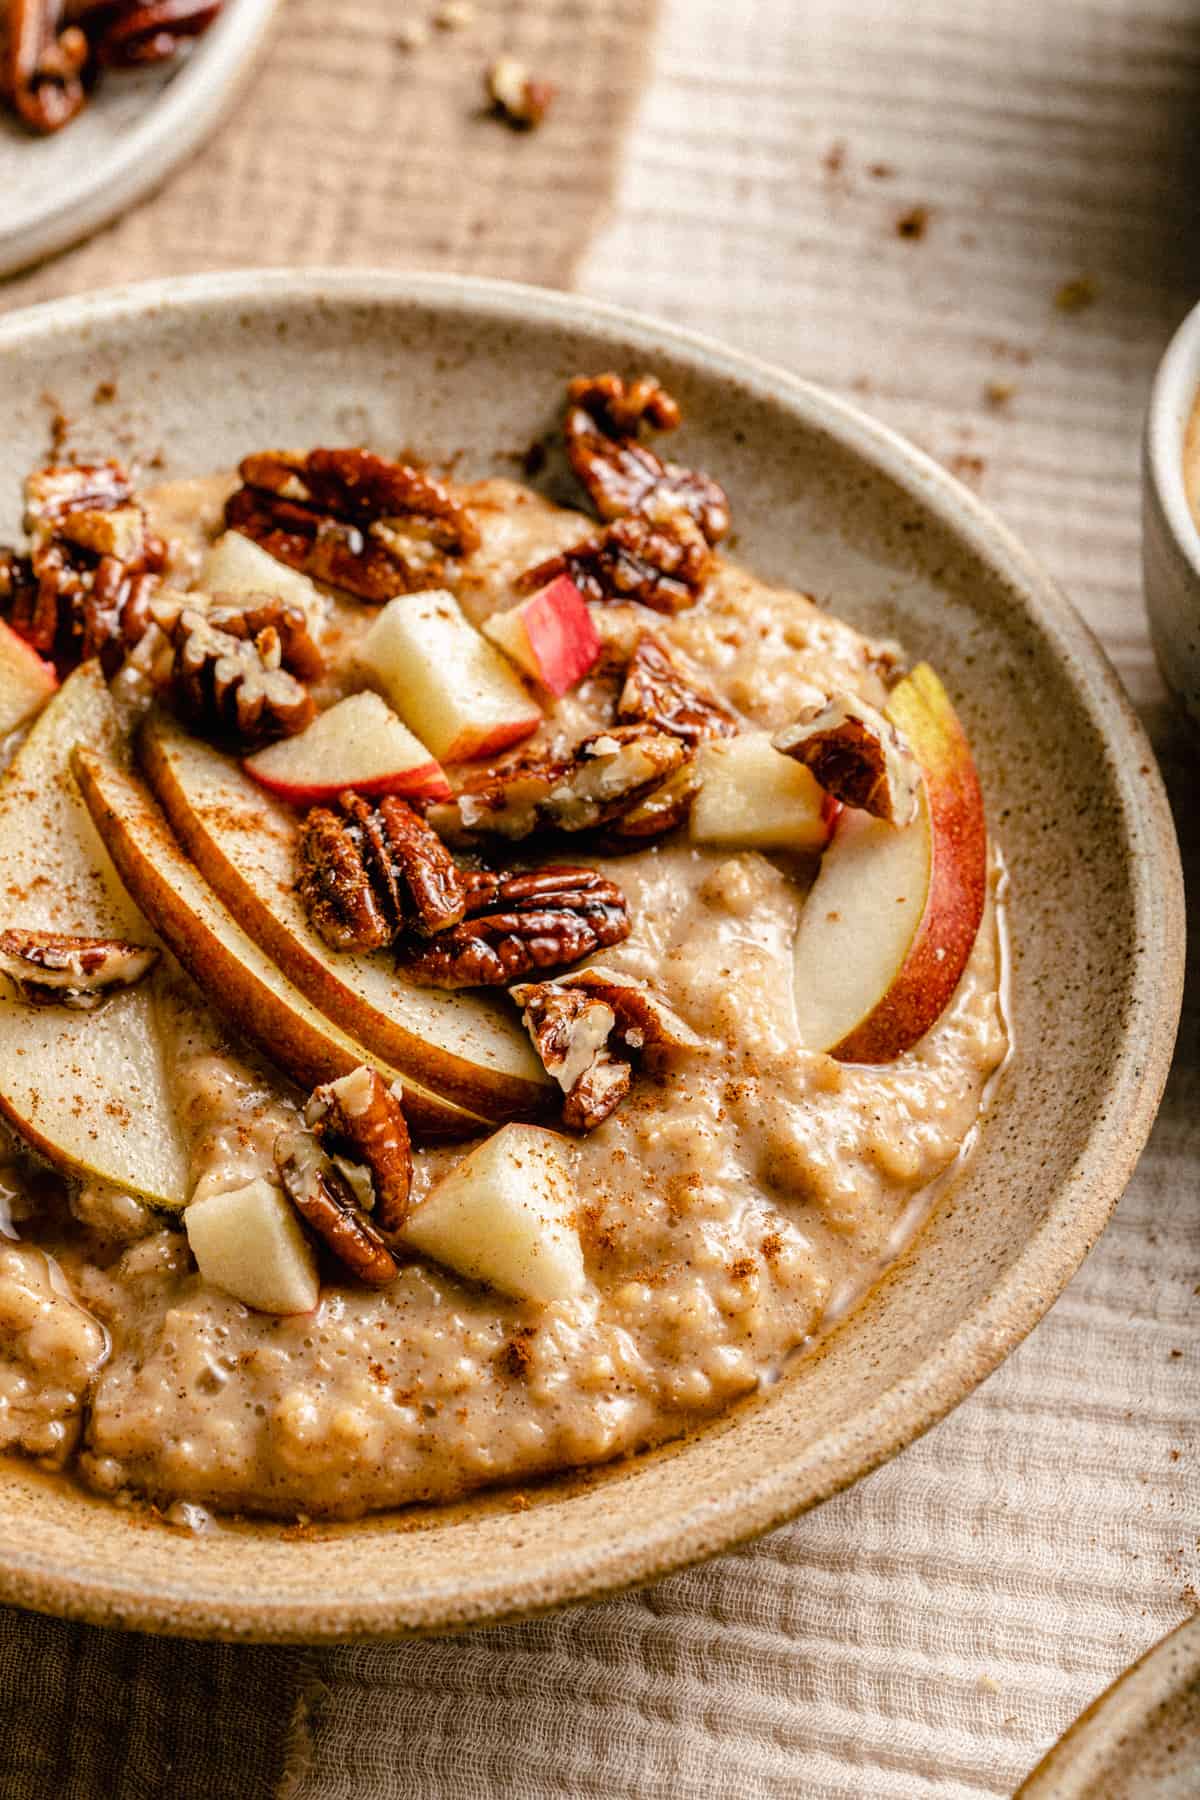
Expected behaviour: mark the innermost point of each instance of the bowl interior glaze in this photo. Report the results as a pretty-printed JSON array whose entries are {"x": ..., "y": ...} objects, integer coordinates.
[{"x": 823, "y": 498}]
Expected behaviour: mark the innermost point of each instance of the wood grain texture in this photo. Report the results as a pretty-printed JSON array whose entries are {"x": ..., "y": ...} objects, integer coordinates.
[{"x": 345, "y": 147}]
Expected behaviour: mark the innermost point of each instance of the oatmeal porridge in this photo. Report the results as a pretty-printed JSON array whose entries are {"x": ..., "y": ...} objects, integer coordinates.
[{"x": 484, "y": 982}]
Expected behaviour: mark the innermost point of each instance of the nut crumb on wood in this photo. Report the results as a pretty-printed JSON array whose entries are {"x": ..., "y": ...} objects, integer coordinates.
[
  {"x": 413, "y": 34},
  {"x": 515, "y": 96},
  {"x": 455, "y": 15},
  {"x": 997, "y": 394},
  {"x": 1076, "y": 295}
]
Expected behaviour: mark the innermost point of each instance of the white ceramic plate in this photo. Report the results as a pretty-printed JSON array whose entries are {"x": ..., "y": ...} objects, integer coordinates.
[{"x": 135, "y": 129}]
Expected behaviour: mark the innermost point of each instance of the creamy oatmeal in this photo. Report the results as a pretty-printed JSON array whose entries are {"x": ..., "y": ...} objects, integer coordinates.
[{"x": 279, "y": 1310}]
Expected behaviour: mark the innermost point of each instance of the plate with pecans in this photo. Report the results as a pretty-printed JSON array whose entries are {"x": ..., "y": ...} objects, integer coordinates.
[
  {"x": 543, "y": 1028},
  {"x": 99, "y": 102}
]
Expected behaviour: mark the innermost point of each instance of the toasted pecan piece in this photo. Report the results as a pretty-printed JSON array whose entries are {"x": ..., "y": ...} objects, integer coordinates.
[
  {"x": 51, "y": 968},
  {"x": 325, "y": 1200},
  {"x": 360, "y": 1117},
  {"x": 621, "y": 474},
  {"x": 580, "y": 1023},
  {"x": 605, "y": 776},
  {"x": 657, "y": 556},
  {"x": 514, "y": 94},
  {"x": 84, "y": 585},
  {"x": 658, "y": 693},
  {"x": 518, "y": 923},
  {"x": 856, "y": 755},
  {"x": 360, "y": 522}
]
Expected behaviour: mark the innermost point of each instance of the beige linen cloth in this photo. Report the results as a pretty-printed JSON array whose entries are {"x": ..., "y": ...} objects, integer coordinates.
[{"x": 932, "y": 1631}]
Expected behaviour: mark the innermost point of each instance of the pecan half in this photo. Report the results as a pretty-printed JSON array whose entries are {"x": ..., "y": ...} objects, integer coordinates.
[
  {"x": 231, "y": 685},
  {"x": 657, "y": 556},
  {"x": 361, "y": 1118},
  {"x": 856, "y": 755},
  {"x": 606, "y": 776},
  {"x": 656, "y": 692},
  {"x": 515, "y": 96},
  {"x": 360, "y": 522},
  {"x": 153, "y": 33},
  {"x": 44, "y": 65},
  {"x": 367, "y": 876},
  {"x": 576, "y": 1021},
  {"x": 621, "y": 474},
  {"x": 325, "y": 1200},
  {"x": 516, "y": 923},
  {"x": 49, "y": 968},
  {"x": 84, "y": 586}
]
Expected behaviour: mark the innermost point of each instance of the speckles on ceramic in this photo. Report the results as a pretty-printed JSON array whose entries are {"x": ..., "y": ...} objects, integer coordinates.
[
  {"x": 1140, "y": 1740},
  {"x": 827, "y": 501}
]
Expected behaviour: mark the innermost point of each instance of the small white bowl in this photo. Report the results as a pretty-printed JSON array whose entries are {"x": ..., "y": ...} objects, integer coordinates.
[{"x": 1170, "y": 534}]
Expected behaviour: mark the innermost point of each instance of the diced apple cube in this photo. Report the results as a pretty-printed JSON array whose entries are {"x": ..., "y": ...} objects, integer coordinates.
[
  {"x": 358, "y": 743},
  {"x": 237, "y": 565},
  {"x": 503, "y": 1216},
  {"x": 26, "y": 682},
  {"x": 250, "y": 1243},
  {"x": 753, "y": 796},
  {"x": 453, "y": 688},
  {"x": 550, "y": 636}
]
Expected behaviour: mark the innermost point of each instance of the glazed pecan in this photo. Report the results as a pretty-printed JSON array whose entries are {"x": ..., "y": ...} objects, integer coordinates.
[
  {"x": 517, "y": 923},
  {"x": 657, "y": 556},
  {"x": 360, "y": 522},
  {"x": 515, "y": 96},
  {"x": 856, "y": 755},
  {"x": 49, "y": 968},
  {"x": 575, "y": 1023},
  {"x": 663, "y": 809},
  {"x": 621, "y": 474},
  {"x": 231, "y": 685},
  {"x": 248, "y": 617},
  {"x": 606, "y": 776},
  {"x": 324, "y": 1197},
  {"x": 45, "y": 65},
  {"x": 84, "y": 586},
  {"x": 377, "y": 870},
  {"x": 656, "y": 692},
  {"x": 360, "y": 1117},
  {"x": 134, "y": 35},
  {"x": 643, "y": 1021}
]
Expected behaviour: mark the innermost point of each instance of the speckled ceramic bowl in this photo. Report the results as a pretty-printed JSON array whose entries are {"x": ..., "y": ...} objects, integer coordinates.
[
  {"x": 1140, "y": 1740},
  {"x": 828, "y": 500}
]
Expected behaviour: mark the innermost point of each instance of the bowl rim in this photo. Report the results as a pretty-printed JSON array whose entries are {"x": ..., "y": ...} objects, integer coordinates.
[
  {"x": 1072, "y": 1766},
  {"x": 1174, "y": 394},
  {"x": 913, "y": 1403}
]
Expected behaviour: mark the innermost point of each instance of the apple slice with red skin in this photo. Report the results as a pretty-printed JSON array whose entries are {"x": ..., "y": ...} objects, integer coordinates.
[
  {"x": 468, "y": 1047},
  {"x": 893, "y": 914},
  {"x": 449, "y": 685},
  {"x": 550, "y": 636},
  {"x": 237, "y": 976},
  {"x": 26, "y": 682},
  {"x": 357, "y": 743}
]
